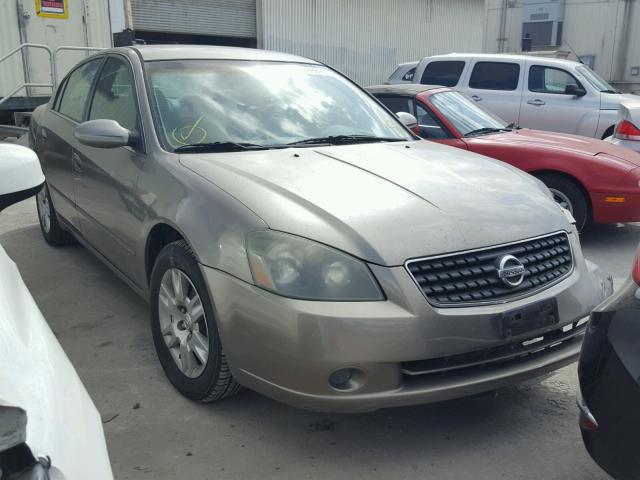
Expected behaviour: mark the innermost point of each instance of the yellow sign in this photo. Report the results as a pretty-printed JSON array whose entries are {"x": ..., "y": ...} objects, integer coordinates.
[{"x": 52, "y": 8}]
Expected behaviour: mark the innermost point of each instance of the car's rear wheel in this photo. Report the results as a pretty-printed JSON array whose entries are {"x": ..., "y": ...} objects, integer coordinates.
[
  {"x": 570, "y": 196},
  {"x": 185, "y": 332},
  {"x": 52, "y": 231}
]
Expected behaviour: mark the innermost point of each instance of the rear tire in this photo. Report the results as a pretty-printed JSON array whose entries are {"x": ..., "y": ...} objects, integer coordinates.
[
  {"x": 184, "y": 328},
  {"x": 52, "y": 231},
  {"x": 570, "y": 196}
]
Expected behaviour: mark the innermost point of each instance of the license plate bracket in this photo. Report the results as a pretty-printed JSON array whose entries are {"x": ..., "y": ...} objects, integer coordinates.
[{"x": 527, "y": 319}]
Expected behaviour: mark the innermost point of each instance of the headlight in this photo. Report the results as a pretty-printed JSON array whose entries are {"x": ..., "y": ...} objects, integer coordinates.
[{"x": 299, "y": 268}]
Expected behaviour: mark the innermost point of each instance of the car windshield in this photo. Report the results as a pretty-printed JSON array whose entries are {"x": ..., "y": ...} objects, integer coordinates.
[
  {"x": 465, "y": 115},
  {"x": 250, "y": 104},
  {"x": 595, "y": 80}
]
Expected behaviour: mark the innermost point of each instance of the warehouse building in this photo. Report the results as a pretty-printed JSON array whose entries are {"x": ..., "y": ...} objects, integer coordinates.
[
  {"x": 364, "y": 39},
  {"x": 605, "y": 34}
]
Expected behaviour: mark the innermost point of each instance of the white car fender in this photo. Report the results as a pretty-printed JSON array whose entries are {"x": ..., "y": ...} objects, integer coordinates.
[{"x": 36, "y": 376}]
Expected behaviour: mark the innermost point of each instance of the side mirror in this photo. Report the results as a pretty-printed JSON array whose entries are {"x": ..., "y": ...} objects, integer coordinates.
[
  {"x": 103, "y": 134},
  {"x": 575, "y": 90},
  {"x": 21, "y": 176},
  {"x": 408, "y": 120}
]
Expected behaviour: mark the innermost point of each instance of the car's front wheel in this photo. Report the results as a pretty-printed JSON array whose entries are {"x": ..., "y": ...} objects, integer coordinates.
[
  {"x": 568, "y": 195},
  {"x": 184, "y": 327}
]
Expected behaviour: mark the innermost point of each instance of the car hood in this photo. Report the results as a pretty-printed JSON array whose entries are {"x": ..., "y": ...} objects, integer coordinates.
[
  {"x": 37, "y": 377},
  {"x": 610, "y": 101},
  {"x": 386, "y": 202},
  {"x": 560, "y": 142}
]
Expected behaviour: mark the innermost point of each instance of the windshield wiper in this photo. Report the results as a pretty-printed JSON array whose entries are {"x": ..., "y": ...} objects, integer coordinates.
[
  {"x": 480, "y": 131},
  {"x": 608, "y": 90},
  {"x": 344, "y": 139},
  {"x": 219, "y": 147}
]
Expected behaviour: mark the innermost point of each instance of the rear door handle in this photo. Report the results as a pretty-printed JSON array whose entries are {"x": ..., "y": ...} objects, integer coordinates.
[
  {"x": 537, "y": 102},
  {"x": 476, "y": 98}
]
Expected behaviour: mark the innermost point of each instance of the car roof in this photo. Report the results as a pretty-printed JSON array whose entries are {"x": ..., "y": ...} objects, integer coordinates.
[
  {"x": 412, "y": 89},
  {"x": 207, "y": 52},
  {"x": 507, "y": 56}
]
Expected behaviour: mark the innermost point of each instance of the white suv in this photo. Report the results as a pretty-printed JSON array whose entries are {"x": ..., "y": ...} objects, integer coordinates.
[{"x": 535, "y": 92}]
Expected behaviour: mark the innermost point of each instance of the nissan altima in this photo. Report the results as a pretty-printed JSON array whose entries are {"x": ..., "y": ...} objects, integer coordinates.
[{"x": 294, "y": 237}]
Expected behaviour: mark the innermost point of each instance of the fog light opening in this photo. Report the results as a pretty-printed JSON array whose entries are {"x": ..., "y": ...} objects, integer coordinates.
[{"x": 347, "y": 379}]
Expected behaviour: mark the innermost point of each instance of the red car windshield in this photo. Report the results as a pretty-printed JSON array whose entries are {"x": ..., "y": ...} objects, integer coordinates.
[{"x": 465, "y": 115}]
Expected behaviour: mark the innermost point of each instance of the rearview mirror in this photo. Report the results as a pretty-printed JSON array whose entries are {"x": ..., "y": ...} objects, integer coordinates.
[
  {"x": 573, "y": 89},
  {"x": 103, "y": 133},
  {"x": 407, "y": 119},
  {"x": 20, "y": 174}
]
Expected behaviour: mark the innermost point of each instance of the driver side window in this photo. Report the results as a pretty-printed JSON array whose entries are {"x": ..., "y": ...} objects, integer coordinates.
[
  {"x": 550, "y": 80},
  {"x": 114, "y": 97}
]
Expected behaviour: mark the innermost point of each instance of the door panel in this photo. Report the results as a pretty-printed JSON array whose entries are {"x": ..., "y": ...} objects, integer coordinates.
[
  {"x": 497, "y": 86},
  {"x": 106, "y": 179},
  {"x": 55, "y": 142},
  {"x": 545, "y": 106}
]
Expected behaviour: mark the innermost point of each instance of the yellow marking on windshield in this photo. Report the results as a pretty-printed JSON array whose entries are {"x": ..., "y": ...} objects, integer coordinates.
[{"x": 185, "y": 136}]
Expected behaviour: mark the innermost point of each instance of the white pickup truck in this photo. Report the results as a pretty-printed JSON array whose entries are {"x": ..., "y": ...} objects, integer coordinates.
[{"x": 535, "y": 92}]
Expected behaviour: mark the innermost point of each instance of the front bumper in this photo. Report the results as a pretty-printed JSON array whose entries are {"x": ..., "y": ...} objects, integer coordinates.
[{"x": 287, "y": 349}]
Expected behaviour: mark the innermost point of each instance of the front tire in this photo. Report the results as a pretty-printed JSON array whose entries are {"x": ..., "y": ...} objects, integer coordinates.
[
  {"x": 184, "y": 328},
  {"x": 52, "y": 231},
  {"x": 570, "y": 196}
]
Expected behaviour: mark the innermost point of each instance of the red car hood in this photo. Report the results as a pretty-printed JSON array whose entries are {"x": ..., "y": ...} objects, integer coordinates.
[{"x": 560, "y": 142}]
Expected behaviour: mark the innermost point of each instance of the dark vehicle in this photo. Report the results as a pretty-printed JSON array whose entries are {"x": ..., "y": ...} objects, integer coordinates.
[{"x": 609, "y": 372}]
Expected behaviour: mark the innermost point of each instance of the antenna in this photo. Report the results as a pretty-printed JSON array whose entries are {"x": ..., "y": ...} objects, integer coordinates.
[{"x": 573, "y": 51}]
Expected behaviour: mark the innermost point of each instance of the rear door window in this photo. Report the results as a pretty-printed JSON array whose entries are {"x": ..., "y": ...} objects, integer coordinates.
[
  {"x": 76, "y": 92},
  {"x": 443, "y": 72},
  {"x": 495, "y": 76}
]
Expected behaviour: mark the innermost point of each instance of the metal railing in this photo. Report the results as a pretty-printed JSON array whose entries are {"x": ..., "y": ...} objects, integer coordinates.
[
  {"x": 53, "y": 65},
  {"x": 20, "y": 49}
]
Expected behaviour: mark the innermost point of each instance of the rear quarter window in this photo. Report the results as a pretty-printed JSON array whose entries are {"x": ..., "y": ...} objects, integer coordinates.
[{"x": 443, "y": 72}]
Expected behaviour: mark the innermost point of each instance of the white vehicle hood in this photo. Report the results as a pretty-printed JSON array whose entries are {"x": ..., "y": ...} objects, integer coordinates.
[{"x": 37, "y": 376}]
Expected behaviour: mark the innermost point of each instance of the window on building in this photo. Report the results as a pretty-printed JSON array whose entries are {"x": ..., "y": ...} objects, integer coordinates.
[
  {"x": 550, "y": 80},
  {"x": 77, "y": 89},
  {"x": 495, "y": 76},
  {"x": 446, "y": 73},
  {"x": 114, "y": 98}
]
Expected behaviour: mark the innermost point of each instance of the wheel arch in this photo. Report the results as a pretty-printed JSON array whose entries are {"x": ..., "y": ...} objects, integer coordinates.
[
  {"x": 160, "y": 235},
  {"x": 608, "y": 132},
  {"x": 567, "y": 176}
]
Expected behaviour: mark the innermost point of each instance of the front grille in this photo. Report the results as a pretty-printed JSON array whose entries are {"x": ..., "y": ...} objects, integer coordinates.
[
  {"x": 504, "y": 354},
  {"x": 471, "y": 277}
]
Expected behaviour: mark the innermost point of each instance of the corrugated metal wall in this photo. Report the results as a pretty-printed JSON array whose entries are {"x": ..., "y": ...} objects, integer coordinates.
[
  {"x": 592, "y": 27},
  {"x": 366, "y": 39},
  {"x": 11, "y": 69},
  {"x": 233, "y": 18}
]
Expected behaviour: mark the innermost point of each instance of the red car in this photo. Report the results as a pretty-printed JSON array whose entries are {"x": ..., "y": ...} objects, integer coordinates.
[{"x": 596, "y": 181}]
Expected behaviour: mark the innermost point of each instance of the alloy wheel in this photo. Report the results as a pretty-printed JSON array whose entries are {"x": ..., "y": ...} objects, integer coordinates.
[{"x": 182, "y": 322}]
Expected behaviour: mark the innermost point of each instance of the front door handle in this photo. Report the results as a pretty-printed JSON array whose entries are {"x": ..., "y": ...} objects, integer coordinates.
[
  {"x": 77, "y": 163},
  {"x": 476, "y": 98},
  {"x": 536, "y": 101},
  {"x": 43, "y": 133}
]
